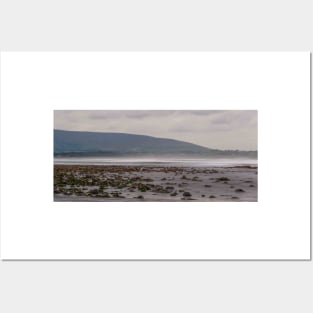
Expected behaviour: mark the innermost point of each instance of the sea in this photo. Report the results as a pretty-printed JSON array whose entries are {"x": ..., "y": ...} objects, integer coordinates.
[{"x": 186, "y": 162}]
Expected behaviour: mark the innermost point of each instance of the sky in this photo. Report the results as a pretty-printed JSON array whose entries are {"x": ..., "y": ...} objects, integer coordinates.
[{"x": 217, "y": 129}]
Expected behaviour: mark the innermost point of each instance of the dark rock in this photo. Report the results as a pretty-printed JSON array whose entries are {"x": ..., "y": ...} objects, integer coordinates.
[
  {"x": 211, "y": 197},
  {"x": 174, "y": 194},
  {"x": 222, "y": 179},
  {"x": 148, "y": 180},
  {"x": 207, "y": 186},
  {"x": 239, "y": 190},
  {"x": 251, "y": 185},
  {"x": 187, "y": 194},
  {"x": 115, "y": 194}
]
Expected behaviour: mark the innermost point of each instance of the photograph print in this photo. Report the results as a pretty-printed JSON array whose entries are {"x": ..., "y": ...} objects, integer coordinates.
[{"x": 151, "y": 155}]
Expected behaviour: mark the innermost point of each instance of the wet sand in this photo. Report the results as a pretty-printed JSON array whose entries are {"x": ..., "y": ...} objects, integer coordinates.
[{"x": 154, "y": 183}]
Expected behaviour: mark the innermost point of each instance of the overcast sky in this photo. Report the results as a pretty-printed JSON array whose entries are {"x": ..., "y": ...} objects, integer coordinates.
[{"x": 213, "y": 129}]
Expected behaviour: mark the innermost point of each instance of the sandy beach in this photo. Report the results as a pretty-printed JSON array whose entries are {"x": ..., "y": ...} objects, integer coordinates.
[{"x": 155, "y": 183}]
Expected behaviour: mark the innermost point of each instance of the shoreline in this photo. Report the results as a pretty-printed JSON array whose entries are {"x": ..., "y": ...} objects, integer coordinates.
[{"x": 131, "y": 183}]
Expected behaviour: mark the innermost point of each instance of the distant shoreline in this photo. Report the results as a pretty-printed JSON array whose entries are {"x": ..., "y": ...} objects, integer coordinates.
[{"x": 150, "y": 161}]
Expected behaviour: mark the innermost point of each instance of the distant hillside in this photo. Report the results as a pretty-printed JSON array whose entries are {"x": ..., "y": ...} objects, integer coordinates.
[{"x": 79, "y": 143}]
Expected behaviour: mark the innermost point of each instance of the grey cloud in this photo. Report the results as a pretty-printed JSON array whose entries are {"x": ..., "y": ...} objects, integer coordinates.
[{"x": 224, "y": 129}]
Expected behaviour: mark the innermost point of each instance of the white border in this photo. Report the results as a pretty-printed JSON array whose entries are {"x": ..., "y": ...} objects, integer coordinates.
[{"x": 34, "y": 84}]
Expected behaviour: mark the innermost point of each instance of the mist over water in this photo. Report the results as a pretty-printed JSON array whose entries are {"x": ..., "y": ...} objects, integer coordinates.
[{"x": 156, "y": 161}]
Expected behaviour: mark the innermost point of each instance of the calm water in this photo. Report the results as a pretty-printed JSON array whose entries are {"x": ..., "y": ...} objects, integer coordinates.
[{"x": 197, "y": 162}]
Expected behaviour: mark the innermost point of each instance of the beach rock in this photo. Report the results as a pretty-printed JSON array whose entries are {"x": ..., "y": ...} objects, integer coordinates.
[
  {"x": 239, "y": 190},
  {"x": 160, "y": 189},
  {"x": 251, "y": 185},
  {"x": 207, "y": 186},
  {"x": 115, "y": 194},
  {"x": 234, "y": 197},
  {"x": 147, "y": 180},
  {"x": 173, "y": 194},
  {"x": 202, "y": 196},
  {"x": 187, "y": 194},
  {"x": 222, "y": 179},
  {"x": 143, "y": 188},
  {"x": 211, "y": 197},
  {"x": 140, "y": 197}
]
